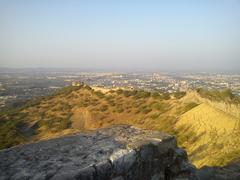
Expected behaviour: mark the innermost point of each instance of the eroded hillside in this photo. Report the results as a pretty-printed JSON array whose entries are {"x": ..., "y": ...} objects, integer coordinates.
[{"x": 75, "y": 109}]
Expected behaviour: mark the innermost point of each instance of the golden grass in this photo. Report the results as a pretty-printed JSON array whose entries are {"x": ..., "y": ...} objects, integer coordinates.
[{"x": 217, "y": 133}]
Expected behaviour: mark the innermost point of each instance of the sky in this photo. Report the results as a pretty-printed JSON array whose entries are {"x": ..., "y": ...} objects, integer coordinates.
[{"x": 170, "y": 35}]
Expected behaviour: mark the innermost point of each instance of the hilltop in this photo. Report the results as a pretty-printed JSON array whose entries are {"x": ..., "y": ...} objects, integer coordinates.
[{"x": 202, "y": 123}]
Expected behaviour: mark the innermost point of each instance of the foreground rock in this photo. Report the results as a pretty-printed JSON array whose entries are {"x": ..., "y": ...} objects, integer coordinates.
[{"x": 120, "y": 152}]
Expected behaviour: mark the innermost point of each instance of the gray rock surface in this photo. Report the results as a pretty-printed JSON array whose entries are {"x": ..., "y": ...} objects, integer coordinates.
[{"x": 120, "y": 152}]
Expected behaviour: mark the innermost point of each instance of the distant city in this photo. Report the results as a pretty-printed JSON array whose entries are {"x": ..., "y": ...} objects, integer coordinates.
[{"x": 19, "y": 85}]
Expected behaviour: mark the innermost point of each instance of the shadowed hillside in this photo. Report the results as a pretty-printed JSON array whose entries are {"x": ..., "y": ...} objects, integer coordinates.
[{"x": 201, "y": 128}]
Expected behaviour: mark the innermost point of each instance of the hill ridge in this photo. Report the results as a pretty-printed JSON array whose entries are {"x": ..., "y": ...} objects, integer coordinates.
[{"x": 75, "y": 109}]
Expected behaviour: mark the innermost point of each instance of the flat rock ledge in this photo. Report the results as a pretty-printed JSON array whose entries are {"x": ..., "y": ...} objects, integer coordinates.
[{"x": 117, "y": 153}]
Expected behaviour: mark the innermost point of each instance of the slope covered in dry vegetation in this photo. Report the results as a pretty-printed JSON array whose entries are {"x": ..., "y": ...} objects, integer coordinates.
[{"x": 201, "y": 128}]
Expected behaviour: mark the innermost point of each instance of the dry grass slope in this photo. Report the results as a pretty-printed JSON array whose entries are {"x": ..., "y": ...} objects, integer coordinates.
[
  {"x": 217, "y": 132},
  {"x": 201, "y": 129}
]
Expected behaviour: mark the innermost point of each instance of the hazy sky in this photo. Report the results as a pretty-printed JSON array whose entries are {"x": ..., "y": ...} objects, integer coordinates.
[{"x": 172, "y": 35}]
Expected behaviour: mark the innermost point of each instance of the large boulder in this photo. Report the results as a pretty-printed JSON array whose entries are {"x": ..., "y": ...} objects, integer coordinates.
[{"x": 120, "y": 152}]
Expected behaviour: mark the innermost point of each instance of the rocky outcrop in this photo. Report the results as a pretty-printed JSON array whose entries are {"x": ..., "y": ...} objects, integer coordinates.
[{"x": 117, "y": 153}]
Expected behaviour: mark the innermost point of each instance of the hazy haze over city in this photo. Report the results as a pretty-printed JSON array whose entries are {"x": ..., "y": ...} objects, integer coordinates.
[{"x": 121, "y": 35}]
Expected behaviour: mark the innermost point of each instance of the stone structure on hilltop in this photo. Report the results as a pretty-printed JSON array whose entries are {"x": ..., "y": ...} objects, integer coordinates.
[{"x": 116, "y": 153}]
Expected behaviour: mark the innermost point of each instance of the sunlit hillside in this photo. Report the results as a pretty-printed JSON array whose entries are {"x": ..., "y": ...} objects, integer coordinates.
[
  {"x": 209, "y": 135},
  {"x": 213, "y": 135}
]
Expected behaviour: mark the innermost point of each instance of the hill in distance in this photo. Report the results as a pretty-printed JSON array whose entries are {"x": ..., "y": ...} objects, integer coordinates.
[{"x": 205, "y": 123}]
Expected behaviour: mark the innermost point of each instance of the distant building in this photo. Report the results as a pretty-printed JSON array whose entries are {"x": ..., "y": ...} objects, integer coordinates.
[{"x": 77, "y": 83}]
